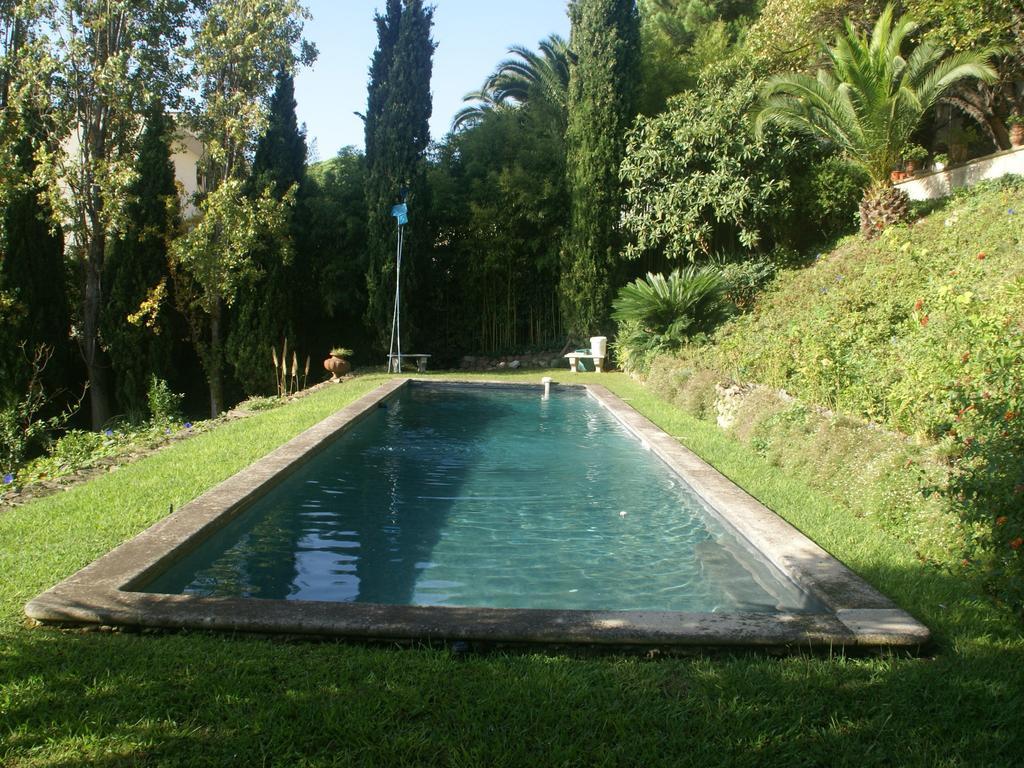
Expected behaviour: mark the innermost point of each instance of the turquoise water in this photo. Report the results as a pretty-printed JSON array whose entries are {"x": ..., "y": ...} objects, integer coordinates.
[{"x": 490, "y": 497}]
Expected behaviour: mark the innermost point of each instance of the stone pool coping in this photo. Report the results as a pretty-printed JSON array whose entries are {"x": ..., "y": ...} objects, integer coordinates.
[{"x": 858, "y": 616}]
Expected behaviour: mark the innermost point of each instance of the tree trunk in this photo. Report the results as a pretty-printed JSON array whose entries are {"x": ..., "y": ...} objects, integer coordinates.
[
  {"x": 215, "y": 362},
  {"x": 881, "y": 207},
  {"x": 99, "y": 396}
]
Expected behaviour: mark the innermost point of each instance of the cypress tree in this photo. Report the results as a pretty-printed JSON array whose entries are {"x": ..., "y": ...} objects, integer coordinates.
[
  {"x": 32, "y": 274},
  {"x": 270, "y": 309},
  {"x": 33, "y": 292},
  {"x": 397, "y": 136},
  {"x": 603, "y": 85},
  {"x": 135, "y": 322}
]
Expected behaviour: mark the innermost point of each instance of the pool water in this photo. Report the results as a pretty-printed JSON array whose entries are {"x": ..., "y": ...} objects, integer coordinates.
[{"x": 463, "y": 495}]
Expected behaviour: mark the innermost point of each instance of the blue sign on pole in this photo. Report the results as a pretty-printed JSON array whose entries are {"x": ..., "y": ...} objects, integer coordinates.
[{"x": 401, "y": 212}]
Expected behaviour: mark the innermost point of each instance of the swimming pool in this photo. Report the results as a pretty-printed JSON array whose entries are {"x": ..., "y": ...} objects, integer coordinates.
[
  {"x": 490, "y": 497},
  {"x": 457, "y": 511}
]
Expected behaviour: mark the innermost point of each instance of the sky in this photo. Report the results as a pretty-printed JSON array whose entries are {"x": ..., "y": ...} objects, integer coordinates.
[{"x": 472, "y": 36}]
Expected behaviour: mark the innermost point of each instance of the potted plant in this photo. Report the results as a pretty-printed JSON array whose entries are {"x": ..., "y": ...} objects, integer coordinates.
[
  {"x": 913, "y": 156},
  {"x": 940, "y": 161},
  {"x": 337, "y": 364},
  {"x": 1015, "y": 122}
]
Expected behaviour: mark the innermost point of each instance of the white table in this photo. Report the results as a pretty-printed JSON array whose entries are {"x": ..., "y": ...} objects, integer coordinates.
[
  {"x": 421, "y": 361},
  {"x": 575, "y": 357}
]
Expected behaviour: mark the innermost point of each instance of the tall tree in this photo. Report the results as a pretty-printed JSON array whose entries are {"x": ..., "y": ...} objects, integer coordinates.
[
  {"x": 397, "y": 135},
  {"x": 869, "y": 101},
  {"x": 134, "y": 321},
  {"x": 602, "y": 104},
  {"x": 265, "y": 313},
  {"x": 331, "y": 252},
  {"x": 238, "y": 48},
  {"x": 107, "y": 57},
  {"x": 31, "y": 249}
]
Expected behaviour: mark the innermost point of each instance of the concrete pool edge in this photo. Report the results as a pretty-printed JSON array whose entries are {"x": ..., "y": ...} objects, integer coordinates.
[{"x": 859, "y": 616}]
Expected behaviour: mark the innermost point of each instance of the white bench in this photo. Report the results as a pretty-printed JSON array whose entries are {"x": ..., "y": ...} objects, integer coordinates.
[
  {"x": 575, "y": 357},
  {"x": 421, "y": 361}
]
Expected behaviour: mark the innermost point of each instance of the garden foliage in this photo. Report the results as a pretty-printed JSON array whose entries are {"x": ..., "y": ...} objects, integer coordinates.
[
  {"x": 332, "y": 250},
  {"x": 25, "y": 426},
  {"x": 215, "y": 258},
  {"x": 499, "y": 212},
  {"x": 268, "y": 308},
  {"x": 136, "y": 323},
  {"x": 697, "y": 183}
]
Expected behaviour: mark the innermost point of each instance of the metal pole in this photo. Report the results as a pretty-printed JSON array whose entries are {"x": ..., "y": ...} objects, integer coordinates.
[
  {"x": 394, "y": 317},
  {"x": 398, "y": 296},
  {"x": 391, "y": 347}
]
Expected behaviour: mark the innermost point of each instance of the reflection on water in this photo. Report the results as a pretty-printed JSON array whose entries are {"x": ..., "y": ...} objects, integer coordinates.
[{"x": 480, "y": 497}]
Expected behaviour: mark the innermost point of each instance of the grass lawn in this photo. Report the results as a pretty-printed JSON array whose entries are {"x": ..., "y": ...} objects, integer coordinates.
[{"x": 112, "y": 699}]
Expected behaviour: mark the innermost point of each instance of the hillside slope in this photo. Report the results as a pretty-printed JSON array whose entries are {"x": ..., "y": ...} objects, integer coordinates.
[
  {"x": 919, "y": 333},
  {"x": 881, "y": 329}
]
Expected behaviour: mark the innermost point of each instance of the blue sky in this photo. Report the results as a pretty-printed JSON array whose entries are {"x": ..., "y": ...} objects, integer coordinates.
[{"x": 473, "y": 36}]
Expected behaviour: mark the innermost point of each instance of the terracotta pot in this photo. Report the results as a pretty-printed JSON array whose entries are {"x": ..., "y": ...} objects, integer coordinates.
[
  {"x": 337, "y": 366},
  {"x": 898, "y": 176},
  {"x": 1017, "y": 135}
]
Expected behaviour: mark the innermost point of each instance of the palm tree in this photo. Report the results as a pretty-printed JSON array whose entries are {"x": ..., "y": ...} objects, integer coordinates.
[
  {"x": 479, "y": 104},
  {"x": 528, "y": 77},
  {"x": 869, "y": 102}
]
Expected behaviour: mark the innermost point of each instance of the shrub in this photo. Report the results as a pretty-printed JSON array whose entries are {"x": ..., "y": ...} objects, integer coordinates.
[
  {"x": 986, "y": 425},
  {"x": 658, "y": 314},
  {"x": 828, "y": 199},
  {"x": 744, "y": 280},
  {"x": 78, "y": 448},
  {"x": 164, "y": 405},
  {"x": 698, "y": 183},
  {"x": 256, "y": 404},
  {"x": 22, "y": 431},
  {"x": 19, "y": 431}
]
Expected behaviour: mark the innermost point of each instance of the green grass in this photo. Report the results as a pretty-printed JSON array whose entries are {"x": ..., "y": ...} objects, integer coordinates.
[{"x": 112, "y": 699}]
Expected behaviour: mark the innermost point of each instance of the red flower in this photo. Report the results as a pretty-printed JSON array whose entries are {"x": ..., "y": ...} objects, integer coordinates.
[
  {"x": 924, "y": 320},
  {"x": 1002, "y": 520},
  {"x": 918, "y": 305},
  {"x": 981, "y": 256},
  {"x": 1010, "y": 416},
  {"x": 1017, "y": 543}
]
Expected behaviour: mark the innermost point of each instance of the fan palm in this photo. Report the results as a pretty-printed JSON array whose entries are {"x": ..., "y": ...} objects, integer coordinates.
[
  {"x": 528, "y": 76},
  {"x": 869, "y": 102}
]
